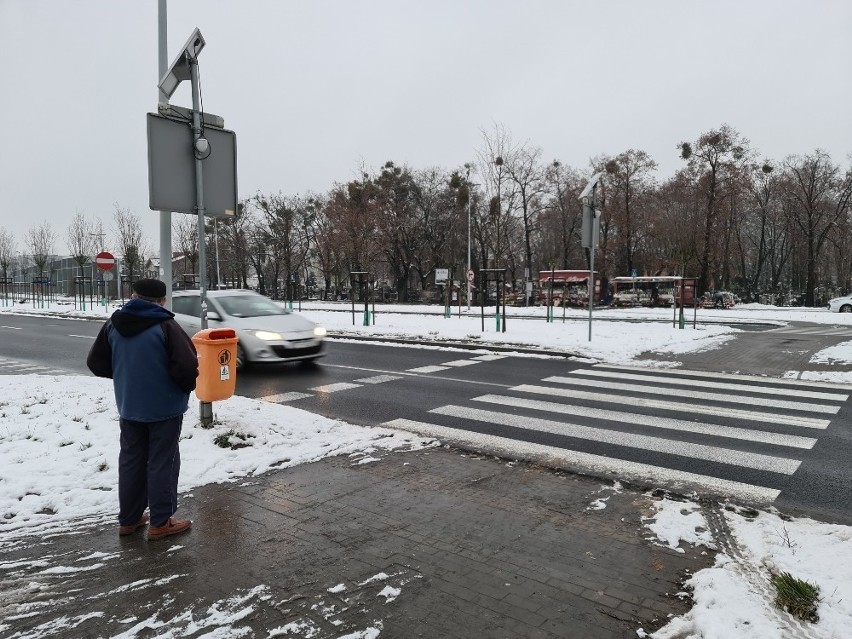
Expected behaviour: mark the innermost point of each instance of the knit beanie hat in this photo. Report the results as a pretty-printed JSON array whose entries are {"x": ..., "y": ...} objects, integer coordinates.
[{"x": 154, "y": 289}]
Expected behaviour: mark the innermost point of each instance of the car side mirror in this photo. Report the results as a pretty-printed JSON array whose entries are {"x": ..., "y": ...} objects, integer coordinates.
[{"x": 213, "y": 316}]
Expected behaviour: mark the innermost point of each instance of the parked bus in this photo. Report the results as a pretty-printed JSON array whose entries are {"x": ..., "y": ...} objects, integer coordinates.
[{"x": 568, "y": 288}]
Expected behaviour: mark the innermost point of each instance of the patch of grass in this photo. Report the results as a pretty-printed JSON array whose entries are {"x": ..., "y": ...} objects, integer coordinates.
[
  {"x": 25, "y": 410},
  {"x": 798, "y": 597},
  {"x": 85, "y": 446},
  {"x": 103, "y": 466},
  {"x": 76, "y": 419},
  {"x": 225, "y": 440}
]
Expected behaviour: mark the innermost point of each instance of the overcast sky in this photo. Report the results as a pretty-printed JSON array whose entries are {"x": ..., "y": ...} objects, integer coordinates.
[{"x": 314, "y": 89}]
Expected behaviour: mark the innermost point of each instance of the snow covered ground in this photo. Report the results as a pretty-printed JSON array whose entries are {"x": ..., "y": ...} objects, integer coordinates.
[{"x": 58, "y": 453}]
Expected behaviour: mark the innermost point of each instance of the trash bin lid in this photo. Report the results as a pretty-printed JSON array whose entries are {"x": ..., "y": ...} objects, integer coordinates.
[{"x": 210, "y": 334}]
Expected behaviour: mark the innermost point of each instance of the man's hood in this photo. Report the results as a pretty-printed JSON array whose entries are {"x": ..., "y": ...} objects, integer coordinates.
[{"x": 137, "y": 316}]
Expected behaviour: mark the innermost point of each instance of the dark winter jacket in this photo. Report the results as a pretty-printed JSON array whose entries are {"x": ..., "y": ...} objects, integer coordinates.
[{"x": 152, "y": 362}]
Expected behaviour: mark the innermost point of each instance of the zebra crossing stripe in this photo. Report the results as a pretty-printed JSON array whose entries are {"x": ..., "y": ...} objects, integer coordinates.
[
  {"x": 763, "y": 390},
  {"x": 284, "y": 397},
  {"x": 695, "y": 409},
  {"x": 713, "y": 397},
  {"x": 744, "y": 378},
  {"x": 460, "y": 362},
  {"x": 427, "y": 369},
  {"x": 589, "y": 463},
  {"x": 489, "y": 358},
  {"x": 377, "y": 379},
  {"x": 716, "y": 430},
  {"x": 756, "y": 461},
  {"x": 333, "y": 388}
]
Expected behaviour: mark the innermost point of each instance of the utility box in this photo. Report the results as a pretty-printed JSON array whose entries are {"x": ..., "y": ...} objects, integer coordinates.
[{"x": 217, "y": 363}]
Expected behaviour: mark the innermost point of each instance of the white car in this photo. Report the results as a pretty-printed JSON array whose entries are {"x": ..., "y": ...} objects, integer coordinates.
[
  {"x": 268, "y": 333},
  {"x": 841, "y": 304}
]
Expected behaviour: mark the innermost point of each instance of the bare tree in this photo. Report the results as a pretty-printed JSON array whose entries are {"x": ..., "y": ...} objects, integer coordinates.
[
  {"x": 81, "y": 240},
  {"x": 525, "y": 171},
  {"x": 497, "y": 149},
  {"x": 7, "y": 251},
  {"x": 186, "y": 232},
  {"x": 41, "y": 240},
  {"x": 562, "y": 217},
  {"x": 132, "y": 246},
  {"x": 630, "y": 179},
  {"x": 818, "y": 197},
  {"x": 713, "y": 159}
]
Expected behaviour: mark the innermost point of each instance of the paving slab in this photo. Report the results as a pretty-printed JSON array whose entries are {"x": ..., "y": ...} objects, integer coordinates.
[{"x": 432, "y": 543}]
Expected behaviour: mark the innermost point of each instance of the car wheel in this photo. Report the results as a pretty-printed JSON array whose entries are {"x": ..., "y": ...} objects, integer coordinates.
[
  {"x": 846, "y": 308},
  {"x": 242, "y": 360}
]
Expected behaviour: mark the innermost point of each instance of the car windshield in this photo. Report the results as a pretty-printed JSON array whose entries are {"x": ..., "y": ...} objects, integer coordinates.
[{"x": 248, "y": 306}]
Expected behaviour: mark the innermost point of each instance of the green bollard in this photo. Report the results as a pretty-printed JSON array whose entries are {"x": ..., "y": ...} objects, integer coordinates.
[
  {"x": 497, "y": 317},
  {"x": 366, "y": 318},
  {"x": 681, "y": 322}
]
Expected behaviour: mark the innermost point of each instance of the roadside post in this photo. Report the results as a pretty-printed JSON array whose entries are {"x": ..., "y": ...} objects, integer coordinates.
[
  {"x": 363, "y": 281},
  {"x": 181, "y": 144},
  {"x": 550, "y": 295},
  {"x": 500, "y": 281},
  {"x": 590, "y": 234},
  {"x": 441, "y": 277}
]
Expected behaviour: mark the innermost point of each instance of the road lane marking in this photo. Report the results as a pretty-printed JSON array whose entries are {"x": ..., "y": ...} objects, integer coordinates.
[
  {"x": 715, "y": 397},
  {"x": 587, "y": 462},
  {"x": 715, "y": 430},
  {"x": 13, "y": 328},
  {"x": 764, "y": 390},
  {"x": 699, "y": 409},
  {"x": 489, "y": 358},
  {"x": 460, "y": 362},
  {"x": 717, "y": 454},
  {"x": 84, "y": 336}
]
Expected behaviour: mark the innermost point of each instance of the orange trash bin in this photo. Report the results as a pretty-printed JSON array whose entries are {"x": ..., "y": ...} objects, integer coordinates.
[{"x": 217, "y": 363}]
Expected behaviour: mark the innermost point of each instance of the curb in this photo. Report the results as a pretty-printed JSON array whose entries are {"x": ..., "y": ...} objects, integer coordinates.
[{"x": 472, "y": 346}]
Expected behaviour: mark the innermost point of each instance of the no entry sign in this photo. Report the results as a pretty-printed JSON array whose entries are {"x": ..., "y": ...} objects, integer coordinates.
[{"x": 105, "y": 261}]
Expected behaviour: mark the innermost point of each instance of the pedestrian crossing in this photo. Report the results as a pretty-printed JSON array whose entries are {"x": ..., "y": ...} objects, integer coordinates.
[
  {"x": 742, "y": 437},
  {"x": 19, "y": 367},
  {"x": 327, "y": 389},
  {"x": 842, "y": 331}
]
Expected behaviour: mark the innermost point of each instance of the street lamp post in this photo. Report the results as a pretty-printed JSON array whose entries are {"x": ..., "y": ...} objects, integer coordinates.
[{"x": 469, "y": 213}]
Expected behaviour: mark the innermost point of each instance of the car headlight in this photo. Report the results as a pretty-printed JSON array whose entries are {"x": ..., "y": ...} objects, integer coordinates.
[
  {"x": 319, "y": 331},
  {"x": 267, "y": 336}
]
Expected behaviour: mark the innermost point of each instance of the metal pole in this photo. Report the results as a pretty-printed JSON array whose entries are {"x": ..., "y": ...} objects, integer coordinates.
[
  {"x": 165, "y": 216},
  {"x": 216, "y": 244},
  {"x": 469, "y": 206},
  {"x": 591, "y": 287},
  {"x": 199, "y": 192},
  {"x": 205, "y": 409}
]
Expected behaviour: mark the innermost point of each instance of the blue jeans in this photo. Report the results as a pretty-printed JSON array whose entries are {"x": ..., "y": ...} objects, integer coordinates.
[{"x": 148, "y": 469}]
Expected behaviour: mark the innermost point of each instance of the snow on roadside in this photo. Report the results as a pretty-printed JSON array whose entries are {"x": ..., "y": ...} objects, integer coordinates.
[
  {"x": 726, "y": 602},
  {"x": 59, "y": 442}
]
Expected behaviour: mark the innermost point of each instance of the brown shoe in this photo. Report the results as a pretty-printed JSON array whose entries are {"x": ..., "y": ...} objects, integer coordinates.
[
  {"x": 171, "y": 527},
  {"x": 132, "y": 528}
]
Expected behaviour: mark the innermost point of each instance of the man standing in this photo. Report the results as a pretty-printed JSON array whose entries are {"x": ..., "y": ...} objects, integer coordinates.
[{"x": 153, "y": 365}]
